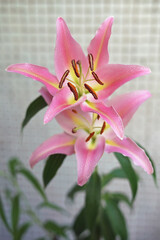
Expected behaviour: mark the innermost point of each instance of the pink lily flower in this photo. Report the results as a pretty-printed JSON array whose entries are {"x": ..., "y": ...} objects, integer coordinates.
[
  {"x": 81, "y": 80},
  {"x": 88, "y": 136}
]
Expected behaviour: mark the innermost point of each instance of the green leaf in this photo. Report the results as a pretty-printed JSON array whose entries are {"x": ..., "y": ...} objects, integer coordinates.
[
  {"x": 115, "y": 173},
  {"x": 22, "y": 230},
  {"x": 153, "y": 165},
  {"x": 79, "y": 224},
  {"x": 33, "y": 180},
  {"x": 106, "y": 227},
  {"x": 13, "y": 165},
  {"x": 130, "y": 173},
  {"x": 52, "y": 165},
  {"x": 15, "y": 213},
  {"x": 117, "y": 197},
  {"x": 93, "y": 196},
  {"x": 51, "y": 206},
  {"x": 3, "y": 216},
  {"x": 53, "y": 227},
  {"x": 117, "y": 219},
  {"x": 75, "y": 189},
  {"x": 38, "y": 104}
]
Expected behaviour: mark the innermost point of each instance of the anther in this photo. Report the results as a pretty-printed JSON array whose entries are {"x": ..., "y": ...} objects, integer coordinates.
[
  {"x": 91, "y": 91},
  {"x": 73, "y": 90},
  {"x": 91, "y": 62},
  {"x": 63, "y": 78},
  {"x": 90, "y": 136},
  {"x": 97, "y": 78},
  {"x": 74, "y": 130},
  {"x": 74, "y": 111},
  {"x": 103, "y": 127},
  {"x": 98, "y": 117},
  {"x": 75, "y": 68}
]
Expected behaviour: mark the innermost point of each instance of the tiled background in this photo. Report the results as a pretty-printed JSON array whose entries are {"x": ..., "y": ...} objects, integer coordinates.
[{"x": 27, "y": 34}]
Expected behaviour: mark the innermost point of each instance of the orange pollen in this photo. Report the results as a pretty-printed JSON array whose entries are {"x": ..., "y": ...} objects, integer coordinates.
[
  {"x": 103, "y": 127},
  {"x": 63, "y": 78},
  {"x": 74, "y": 111},
  {"x": 73, "y": 90},
  {"x": 75, "y": 68},
  {"x": 91, "y": 62},
  {"x": 97, "y": 78},
  {"x": 91, "y": 91},
  {"x": 90, "y": 136}
]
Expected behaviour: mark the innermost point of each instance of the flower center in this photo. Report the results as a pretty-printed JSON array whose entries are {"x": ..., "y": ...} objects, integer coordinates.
[
  {"x": 78, "y": 88},
  {"x": 93, "y": 129}
]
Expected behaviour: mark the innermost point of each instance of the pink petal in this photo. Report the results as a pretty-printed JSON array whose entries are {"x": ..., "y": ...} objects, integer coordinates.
[
  {"x": 46, "y": 95},
  {"x": 74, "y": 117},
  {"x": 88, "y": 154},
  {"x": 38, "y": 73},
  {"x": 115, "y": 75},
  {"x": 60, "y": 143},
  {"x": 99, "y": 44},
  {"x": 66, "y": 50},
  {"x": 127, "y": 104},
  {"x": 107, "y": 113},
  {"x": 129, "y": 148},
  {"x": 63, "y": 100}
]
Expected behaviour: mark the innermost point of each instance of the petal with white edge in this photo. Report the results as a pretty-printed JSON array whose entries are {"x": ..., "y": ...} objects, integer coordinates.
[
  {"x": 63, "y": 100},
  {"x": 38, "y": 73},
  {"x": 130, "y": 149},
  {"x": 60, "y": 143},
  {"x": 99, "y": 44},
  {"x": 106, "y": 113},
  {"x": 88, "y": 154},
  {"x": 66, "y": 50},
  {"x": 127, "y": 104}
]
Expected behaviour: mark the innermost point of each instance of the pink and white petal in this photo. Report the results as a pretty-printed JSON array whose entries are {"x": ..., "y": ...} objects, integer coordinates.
[
  {"x": 99, "y": 44},
  {"x": 127, "y": 104},
  {"x": 38, "y": 73},
  {"x": 66, "y": 50},
  {"x": 63, "y": 100},
  {"x": 88, "y": 154},
  {"x": 115, "y": 75},
  {"x": 74, "y": 117},
  {"x": 60, "y": 143},
  {"x": 107, "y": 113},
  {"x": 46, "y": 95},
  {"x": 129, "y": 148}
]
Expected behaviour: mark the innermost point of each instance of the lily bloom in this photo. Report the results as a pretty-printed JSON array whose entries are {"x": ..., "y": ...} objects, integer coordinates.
[
  {"x": 82, "y": 80},
  {"x": 88, "y": 136}
]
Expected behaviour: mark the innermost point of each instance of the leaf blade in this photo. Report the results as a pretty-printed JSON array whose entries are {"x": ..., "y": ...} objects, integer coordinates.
[
  {"x": 15, "y": 213},
  {"x": 52, "y": 165},
  {"x": 3, "y": 216},
  {"x": 130, "y": 173},
  {"x": 93, "y": 196},
  {"x": 34, "y": 107}
]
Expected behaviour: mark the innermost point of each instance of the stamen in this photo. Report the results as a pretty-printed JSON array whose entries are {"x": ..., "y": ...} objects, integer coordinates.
[
  {"x": 91, "y": 91},
  {"x": 98, "y": 117},
  {"x": 63, "y": 78},
  {"x": 73, "y": 90},
  {"x": 75, "y": 68},
  {"x": 91, "y": 62},
  {"x": 103, "y": 127},
  {"x": 74, "y": 111},
  {"x": 97, "y": 78},
  {"x": 90, "y": 136},
  {"x": 74, "y": 130}
]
